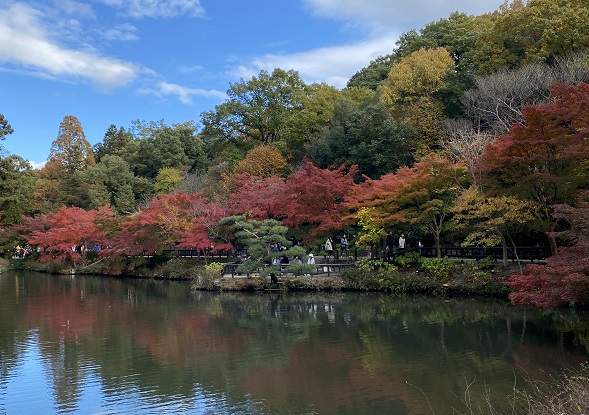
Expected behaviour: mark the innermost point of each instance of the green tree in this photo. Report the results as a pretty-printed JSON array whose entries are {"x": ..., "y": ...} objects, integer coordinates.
[
  {"x": 158, "y": 147},
  {"x": 16, "y": 187},
  {"x": 538, "y": 31},
  {"x": 167, "y": 180},
  {"x": 256, "y": 109},
  {"x": 365, "y": 134},
  {"x": 304, "y": 123},
  {"x": 70, "y": 148},
  {"x": 116, "y": 142},
  {"x": 112, "y": 183},
  {"x": 374, "y": 74},
  {"x": 5, "y": 128},
  {"x": 258, "y": 237},
  {"x": 409, "y": 92}
]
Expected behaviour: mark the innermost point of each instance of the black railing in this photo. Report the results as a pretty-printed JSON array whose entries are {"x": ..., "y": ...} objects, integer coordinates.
[
  {"x": 230, "y": 268},
  {"x": 522, "y": 253},
  {"x": 201, "y": 253}
]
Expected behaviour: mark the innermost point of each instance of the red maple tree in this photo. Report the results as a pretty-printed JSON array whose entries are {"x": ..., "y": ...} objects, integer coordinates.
[
  {"x": 260, "y": 199},
  {"x": 314, "y": 196},
  {"x": 564, "y": 279},
  {"x": 173, "y": 220},
  {"x": 544, "y": 158},
  {"x": 67, "y": 228},
  {"x": 422, "y": 195}
]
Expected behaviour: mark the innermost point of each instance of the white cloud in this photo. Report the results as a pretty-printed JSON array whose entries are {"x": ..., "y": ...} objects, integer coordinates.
[
  {"x": 75, "y": 8},
  {"x": 25, "y": 42},
  {"x": 184, "y": 94},
  {"x": 332, "y": 65},
  {"x": 37, "y": 165},
  {"x": 125, "y": 32},
  {"x": 157, "y": 8},
  {"x": 385, "y": 20},
  {"x": 405, "y": 14}
]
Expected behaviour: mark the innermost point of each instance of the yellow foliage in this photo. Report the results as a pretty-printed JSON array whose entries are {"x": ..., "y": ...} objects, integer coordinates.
[
  {"x": 262, "y": 162},
  {"x": 420, "y": 74}
]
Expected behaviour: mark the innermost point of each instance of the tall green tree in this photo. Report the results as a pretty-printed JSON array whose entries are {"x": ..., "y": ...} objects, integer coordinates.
[
  {"x": 365, "y": 134},
  {"x": 116, "y": 142},
  {"x": 111, "y": 182},
  {"x": 70, "y": 148},
  {"x": 159, "y": 145},
  {"x": 538, "y": 31},
  {"x": 256, "y": 109}
]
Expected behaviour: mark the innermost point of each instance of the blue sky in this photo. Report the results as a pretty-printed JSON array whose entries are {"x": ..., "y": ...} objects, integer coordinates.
[{"x": 114, "y": 61}]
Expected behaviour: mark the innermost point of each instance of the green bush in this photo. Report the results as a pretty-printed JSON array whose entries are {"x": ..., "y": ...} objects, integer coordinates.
[
  {"x": 313, "y": 284},
  {"x": 436, "y": 268},
  {"x": 206, "y": 277},
  {"x": 297, "y": 268},
  {"x": 368, "y": 274},
  {"x": 175, "y": 268},
  {"x": 402, "y": 284},
  {"x": 408, "y": 260}
]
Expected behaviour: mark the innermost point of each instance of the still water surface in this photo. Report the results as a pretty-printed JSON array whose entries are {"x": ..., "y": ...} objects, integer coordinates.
[{"x": 88, "y": 345}]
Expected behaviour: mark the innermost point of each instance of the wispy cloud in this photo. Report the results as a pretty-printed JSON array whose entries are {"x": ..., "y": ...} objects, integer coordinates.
[
  {"x": 184, "y": 94},
  {"x": 157, "y": 8},
  {"x": 333, "y": 65},
  {"x": 125, "y": 32},
  {"x": 26, "y": 43}
]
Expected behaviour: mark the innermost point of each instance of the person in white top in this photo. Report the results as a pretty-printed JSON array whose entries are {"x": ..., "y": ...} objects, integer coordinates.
[
  {"x": 402, "y": 241},
  {"x": 310, "y": 259},
  {"x": 329, "y": 247}
]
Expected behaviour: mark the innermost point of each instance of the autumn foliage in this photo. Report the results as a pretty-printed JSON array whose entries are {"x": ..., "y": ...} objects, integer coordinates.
[
  {"x": 314, "y": 196},
  {"x": 66, "y": 228},
  {"x": 564, "y": 279}
]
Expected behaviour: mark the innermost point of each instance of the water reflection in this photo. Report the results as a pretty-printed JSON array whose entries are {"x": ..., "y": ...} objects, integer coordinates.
[{"x": 90, "y": 345}]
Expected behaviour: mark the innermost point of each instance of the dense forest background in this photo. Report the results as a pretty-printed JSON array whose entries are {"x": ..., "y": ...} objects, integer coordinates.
[{"x": 473, "y": 130}]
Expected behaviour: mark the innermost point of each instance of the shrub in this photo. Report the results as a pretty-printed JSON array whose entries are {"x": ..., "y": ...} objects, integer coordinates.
[
  {"x": 436, "y": 268},
  {"x": 368, "y": 274},
  {"x": 408, "y": 260},
  {"x": 566, "y": 395},
  {"x": 206, "y": 277},
  {"x": 301, "y": 269},
  {"x": 176, "y": 268},
  {"x": 313, "y": 284}
]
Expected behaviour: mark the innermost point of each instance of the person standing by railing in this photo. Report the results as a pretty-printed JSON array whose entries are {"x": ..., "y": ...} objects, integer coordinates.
[
  {"x": 344, "y": 246},
  {"x": 402, "y": 241}
]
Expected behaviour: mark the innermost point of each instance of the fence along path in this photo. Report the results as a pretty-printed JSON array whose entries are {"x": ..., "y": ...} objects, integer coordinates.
[{"x": 523, "y": 253}]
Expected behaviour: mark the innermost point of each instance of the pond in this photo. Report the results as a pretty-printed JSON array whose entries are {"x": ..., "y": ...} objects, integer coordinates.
[{"x": 89, "y": 345}]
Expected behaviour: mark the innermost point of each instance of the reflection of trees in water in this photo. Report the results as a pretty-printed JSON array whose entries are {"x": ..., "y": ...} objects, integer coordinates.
[{"x": 354, "y": 351}]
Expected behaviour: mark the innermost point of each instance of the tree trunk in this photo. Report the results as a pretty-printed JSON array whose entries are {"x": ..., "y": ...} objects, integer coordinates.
[{"x": 438, "y": 247}]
